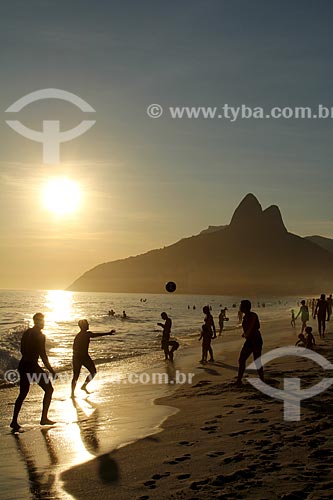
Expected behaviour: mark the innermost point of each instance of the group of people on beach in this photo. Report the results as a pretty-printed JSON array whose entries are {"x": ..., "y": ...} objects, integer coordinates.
[
  {"x": 321, "y": 309},
  {"x": 33, "y": 348}
]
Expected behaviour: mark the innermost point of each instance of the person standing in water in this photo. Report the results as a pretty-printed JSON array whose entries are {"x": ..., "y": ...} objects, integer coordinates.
[
  {"x": 253, "y": 340},
  {"x": 168, "y": 354},
  {"x": 33, "y": 347},
  {"x": 81, "y": 356},
  {"x": 209, "y": 322},
  {"x": 304, "y": 312}
]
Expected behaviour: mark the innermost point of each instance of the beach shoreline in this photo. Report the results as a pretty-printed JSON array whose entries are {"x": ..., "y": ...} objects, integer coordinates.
[{"x": 184, "y": 442}]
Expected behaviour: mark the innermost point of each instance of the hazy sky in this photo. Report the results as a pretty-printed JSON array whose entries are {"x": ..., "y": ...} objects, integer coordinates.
[{"x": 145, "y": 183}]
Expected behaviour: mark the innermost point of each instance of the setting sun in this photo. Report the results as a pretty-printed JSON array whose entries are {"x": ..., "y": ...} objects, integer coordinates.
[{"x": 61, "y": 196}]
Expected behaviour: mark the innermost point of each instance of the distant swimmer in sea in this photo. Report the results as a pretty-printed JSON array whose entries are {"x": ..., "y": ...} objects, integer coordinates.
[
  {"x": 166, "y": 342},
  {"x": 209, "y": 321},
  {"x": 293, "y": 319},
  {"x": 111, "y": 312},
  {"x": 322, "y": 313},
  {"x": 206, "y": 338},
  {"x": 253, "y": 340},
  {"x": 124, "y": 315},
  {"x": 304, "y": 312},
  {"x": 33, "y": 347},
  {"x": 81, "y": 356}
]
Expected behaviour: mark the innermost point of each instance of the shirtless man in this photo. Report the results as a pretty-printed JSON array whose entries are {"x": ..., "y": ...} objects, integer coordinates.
[
  {"x": 33, "y": 347},
  {"x": 253, "y": 340},
  {"x": 81, "y": 356},
  {"x": 322, "y": 311},
  {"x": 166, "y": 337}
]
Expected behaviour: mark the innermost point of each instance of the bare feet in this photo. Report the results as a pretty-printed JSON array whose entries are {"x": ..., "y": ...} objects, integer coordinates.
[
  {"x": 84, "y": 388},
  {"x": 15, "y": 426},
  {"x": 47, "y": 421}
]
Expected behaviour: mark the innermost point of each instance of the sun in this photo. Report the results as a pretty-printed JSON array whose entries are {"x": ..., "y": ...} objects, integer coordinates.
[{"x": 61, "y": 196}]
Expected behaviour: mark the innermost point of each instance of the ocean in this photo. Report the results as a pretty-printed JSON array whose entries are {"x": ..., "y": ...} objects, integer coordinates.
[{"x": 137, "y": 336}]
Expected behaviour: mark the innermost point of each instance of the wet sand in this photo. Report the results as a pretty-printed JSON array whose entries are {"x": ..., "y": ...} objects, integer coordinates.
[{"x": 223, "y": 443}]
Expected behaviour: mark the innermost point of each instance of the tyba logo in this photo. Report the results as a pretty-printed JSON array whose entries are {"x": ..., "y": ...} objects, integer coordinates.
[
  {"x": 51, "y": 137},
  {"x": 292, "y": 394}
]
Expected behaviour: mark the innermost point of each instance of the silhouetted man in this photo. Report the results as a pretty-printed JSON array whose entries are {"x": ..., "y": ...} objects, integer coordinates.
[
  {"x": 81, "y": 356},
  {"x": 322, "y": 312},
  {"x": 33, "y": 347},
  {"x": 168, "y": 354},
  {"x": 253, "y": 342}
]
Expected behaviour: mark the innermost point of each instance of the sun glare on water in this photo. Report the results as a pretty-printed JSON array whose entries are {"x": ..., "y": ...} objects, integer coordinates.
[{"x": 61, "y": 196}]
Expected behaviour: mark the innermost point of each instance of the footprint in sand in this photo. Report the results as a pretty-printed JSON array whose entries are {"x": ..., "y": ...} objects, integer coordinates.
[
  {"x": 202, "y": 383},
  {"x": 240, "y": 433},
  {"x": 196, "y": 485},
  {"x": 150, "y": 484},
  {"x": 177, "y": 460},
  {"x": 215, "y": 454},
  {"x": 210, "y": 429},
  {"x": 186, "y": 443},
  {"x": 181, "y": 477},
  {"x": 156, "y": 477}
]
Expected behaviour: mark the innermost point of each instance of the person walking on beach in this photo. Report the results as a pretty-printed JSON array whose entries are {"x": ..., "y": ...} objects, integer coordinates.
[
  {"x": 33, "y": 347},
  {"x": 322, "y": 312},
  {"x": 293, "y": 319},
  {"x": 209, "y": 321},
  {"x": 81, "y": 356},
  {"x": 206, "y": 338},
  {"x": 304, "y": 312},
  {"x": 253, "y": 340},
  {"x": 166, "y": 343}
]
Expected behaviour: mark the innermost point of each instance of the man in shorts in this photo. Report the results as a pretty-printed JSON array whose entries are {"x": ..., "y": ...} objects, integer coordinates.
[
  {"x": 33, "y": 347},
  {"x": 253, "y": 340}
]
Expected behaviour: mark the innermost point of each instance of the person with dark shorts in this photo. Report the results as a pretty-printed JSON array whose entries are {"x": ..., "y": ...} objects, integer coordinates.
[
  {"x": 322, "y": 312},
  {"x": 81, "y": 356},
  {"x": 166, "y": 342},
  {"x": 253, "y": 340},
  {"x": 33, "y": 347}
]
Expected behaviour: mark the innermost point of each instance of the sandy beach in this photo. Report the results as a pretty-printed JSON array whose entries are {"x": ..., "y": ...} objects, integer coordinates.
[
  {"x": 202, "y": 440},
  {"x": 224, "y": 442}
]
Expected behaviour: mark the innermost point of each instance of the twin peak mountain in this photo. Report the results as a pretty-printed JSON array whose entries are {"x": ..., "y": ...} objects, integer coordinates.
[{"x": 253, "y": 255}]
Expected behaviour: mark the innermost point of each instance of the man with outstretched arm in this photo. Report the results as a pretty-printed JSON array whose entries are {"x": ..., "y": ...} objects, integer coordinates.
[{"x": 81, "y": 356}]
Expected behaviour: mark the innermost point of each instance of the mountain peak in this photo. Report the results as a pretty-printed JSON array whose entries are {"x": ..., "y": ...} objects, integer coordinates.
[
  {"x": 248, "y": 210},
  {"x": 250, "y": 215}
]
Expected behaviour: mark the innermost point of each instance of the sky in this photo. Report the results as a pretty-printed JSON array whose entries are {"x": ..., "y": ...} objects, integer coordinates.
[{"x": 146, "y": 183}]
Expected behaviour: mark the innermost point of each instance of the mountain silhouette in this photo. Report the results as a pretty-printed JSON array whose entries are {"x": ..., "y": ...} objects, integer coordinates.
[
  {"x": 325, "y": 243},
  {"x": 254, "y": 254}
]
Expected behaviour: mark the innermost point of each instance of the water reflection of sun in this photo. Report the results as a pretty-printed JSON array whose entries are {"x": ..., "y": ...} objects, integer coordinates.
[{"x": 59, "y": 306}]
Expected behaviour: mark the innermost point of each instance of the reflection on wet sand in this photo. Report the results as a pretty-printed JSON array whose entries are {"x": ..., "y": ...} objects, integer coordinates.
[{"x": 41, "y": 479}]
